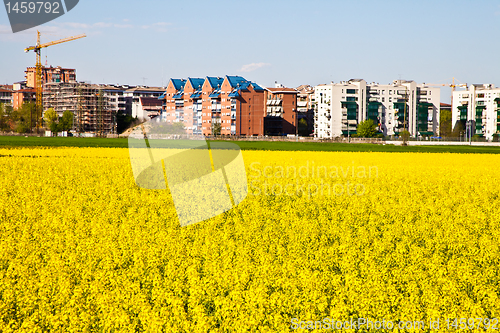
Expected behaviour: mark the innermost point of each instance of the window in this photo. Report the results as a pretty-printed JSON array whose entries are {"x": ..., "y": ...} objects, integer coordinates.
[{"x": 383, "y": 99}]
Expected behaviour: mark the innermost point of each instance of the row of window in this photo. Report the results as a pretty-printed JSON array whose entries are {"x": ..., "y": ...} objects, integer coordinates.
[{"x": 204, "y": 93}]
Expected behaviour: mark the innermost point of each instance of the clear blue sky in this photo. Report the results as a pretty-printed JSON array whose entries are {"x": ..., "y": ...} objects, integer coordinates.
[{"x": 292, "y": 42}]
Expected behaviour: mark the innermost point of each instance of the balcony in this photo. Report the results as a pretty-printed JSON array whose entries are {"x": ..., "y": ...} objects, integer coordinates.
[{"x": 274, "y": 102}]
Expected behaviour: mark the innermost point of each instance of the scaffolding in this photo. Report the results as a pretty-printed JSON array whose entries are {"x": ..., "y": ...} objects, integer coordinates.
[{"x": 87, "y": 102}]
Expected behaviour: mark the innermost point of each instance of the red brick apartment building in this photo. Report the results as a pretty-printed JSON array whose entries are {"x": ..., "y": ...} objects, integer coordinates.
[
  {"x": 23, "y": 95},
  {"x": 281, "y": 110},
  {"x": 238, "y": 105},
  {"x": 50, "y": 74}
]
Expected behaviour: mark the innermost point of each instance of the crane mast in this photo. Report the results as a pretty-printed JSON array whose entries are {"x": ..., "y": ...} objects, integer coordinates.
[{"x": 38, "y": 72}]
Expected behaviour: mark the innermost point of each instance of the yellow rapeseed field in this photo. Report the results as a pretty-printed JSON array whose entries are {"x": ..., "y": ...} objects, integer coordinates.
[{"x": 382, "y": 236}]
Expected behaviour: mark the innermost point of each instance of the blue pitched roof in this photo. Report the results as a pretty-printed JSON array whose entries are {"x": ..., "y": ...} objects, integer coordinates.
[
  {"x": 215, "y": 81},
  {"x": 178, "y": 83},
  {"x": 195, "y": 95},
  {"x": 162, "y": 96},
  {"x": 215, "y": 94},
  {"x": 196, "y": 83},
  {"x": 179, "y": 94},
  {"x": 235, "y": 93},
  {"x": 235, "y": 80},
  {"x": 240, "y": 83},
  {"x": 256, "y": 87}
]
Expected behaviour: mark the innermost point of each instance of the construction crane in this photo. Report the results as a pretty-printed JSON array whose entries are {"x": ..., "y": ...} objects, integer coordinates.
[
  {"x": 452, "y": 85},
  {"x": 38, "y": 77}
]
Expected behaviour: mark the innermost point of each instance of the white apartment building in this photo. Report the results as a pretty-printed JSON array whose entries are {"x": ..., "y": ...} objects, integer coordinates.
[
  {"x": 339, "y": 108},
  {"x": 342, "y": 106},
  {"x": 480, "y": 104}
]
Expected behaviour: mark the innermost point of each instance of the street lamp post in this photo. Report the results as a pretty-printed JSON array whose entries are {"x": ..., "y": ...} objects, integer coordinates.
[
  {"x": 296, "y": 125},
  {"x": 348, "y": 135}
]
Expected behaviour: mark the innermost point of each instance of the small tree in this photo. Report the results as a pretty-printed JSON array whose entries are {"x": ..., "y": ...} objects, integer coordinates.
[
  {"x": 24, "y": 117},
  {"x": 66, "y": 121},
  {"x": 52, "y": 120},
  {"x": 4, "y": 117},
  {"x": 303, "y": 128},
  {"x": 405, "y": 135},
  {"x": 178, "y": 128},
  {"x": 50, "y": 116},
  {"x": 216, "y": 128},
  {"x": 445, "y": 123},
  {"x": 367, "y": 129}
]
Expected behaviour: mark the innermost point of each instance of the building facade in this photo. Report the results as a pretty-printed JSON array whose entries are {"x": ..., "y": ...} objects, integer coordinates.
[
  {"x": 477, "y": 107},
  {"x": 87, "y": 102},
  {"x": 229, "y": 105},
  {"x": 281, "y": 111},
  {"x": 50, "y": 75},
  {"x": 23, "y": 95},
  {"x": 6, "y": 96},
  {"x": 340, "y": 107},
  {"x": 305, "y": 105}
]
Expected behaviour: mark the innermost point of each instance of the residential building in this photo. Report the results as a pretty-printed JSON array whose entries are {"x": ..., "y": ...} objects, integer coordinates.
[
  {"x": 243, "y": 107},
  {"x": 6, "y": 95},
  {"x": 173, "y": 105},
  {"x": 87, "y": 102},
  {"x": 147, "y": 108},
  {"x": 19, "y": 85},
  {"x": 339, "y": 108},
  {"x": 116, "y": 101},
  {"x": 23, "y": 95},
  {"x": 477, "y": 106},
  {"x": 211, "y": 104},
  {"x": 281, "y": 111},
  {"x": 235, "y": 103},
  {"x": 131, "y": 95},
  {"x": 392, "y": 107},
  {"x": 305, "y": 105},
  {"x": 50, "y": 74}
]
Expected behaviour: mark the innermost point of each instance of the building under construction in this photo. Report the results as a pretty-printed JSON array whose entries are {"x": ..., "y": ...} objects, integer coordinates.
[{"x": 87, "y": 102}]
